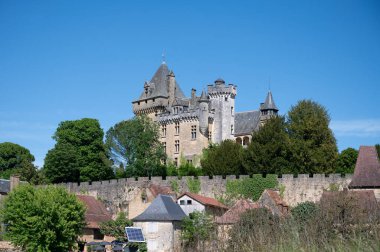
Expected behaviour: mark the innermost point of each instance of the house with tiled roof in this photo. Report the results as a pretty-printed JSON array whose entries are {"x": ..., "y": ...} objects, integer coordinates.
[
  {"x": 145, "y": 196},
  {"x": 273, "y": 202},
  {"x": 161, "y": 223},
  {"x": 367, "y": 171},
  {"x": 190, "y": 202},
  {"x": 233, "y": 214},
  {"x": 95, "y": 214}
]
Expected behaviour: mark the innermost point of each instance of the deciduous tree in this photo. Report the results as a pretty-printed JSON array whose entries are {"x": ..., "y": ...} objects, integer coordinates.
[
  {"x": 347, "y": 160},
  {"x": 15, "y": 159},
  {"x": 135, "y": 143},
  {"x": 313, "y": 144},
  {"x": 82, "y": 141},
  {"x": 43, "y": 219}
]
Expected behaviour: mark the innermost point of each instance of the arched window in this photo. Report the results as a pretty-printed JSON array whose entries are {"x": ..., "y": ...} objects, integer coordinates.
[
  {"x": 238, "y": 140},
  {"x": 245, "y": 141}
]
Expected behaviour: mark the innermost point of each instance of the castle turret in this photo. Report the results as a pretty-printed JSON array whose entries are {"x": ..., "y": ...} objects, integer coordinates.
[
  {"x": 158, "y": 93},
  {"x": 171, "y": 88},
  {"x": 203, "y": 113},
  {"x": 222, "y": 99},
  {"x": 268, "y": 108}
]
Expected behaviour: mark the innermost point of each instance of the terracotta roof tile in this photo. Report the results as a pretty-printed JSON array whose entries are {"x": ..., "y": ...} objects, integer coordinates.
[
  {"x": 276, "y": 197},
  {"x": 156, "y": 190},
  {"x": 96, "y": 212},
  {"x": 367, "y": 169},
  {"x": 233, "y": 214},
  {"x": 204, "y": 200}
]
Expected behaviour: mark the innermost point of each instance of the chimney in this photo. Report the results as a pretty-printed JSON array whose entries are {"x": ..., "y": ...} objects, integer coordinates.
[
  {"x": 14, "y": 181},
  {"x": 193, "y": 93}
]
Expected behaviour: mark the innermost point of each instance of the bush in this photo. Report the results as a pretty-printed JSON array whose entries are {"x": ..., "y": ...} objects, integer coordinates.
[
  {"x": 250, "y": 188},
  {"x": 304, "y": 211}
]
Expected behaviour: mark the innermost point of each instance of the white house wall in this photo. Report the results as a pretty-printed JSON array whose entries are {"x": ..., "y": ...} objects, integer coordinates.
[{"x": 189, "y": 208}]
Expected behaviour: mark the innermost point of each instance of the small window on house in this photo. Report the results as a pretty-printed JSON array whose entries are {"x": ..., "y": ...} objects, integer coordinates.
[
  {"x": 138, "y": 103},
  {"x": 182, "y": 202},
  {"x": 193, "y": 132},
  {"x": 189, "y": 202},
  {"x": 152, "y": 227},
  {"x": 98, "y": 235}
]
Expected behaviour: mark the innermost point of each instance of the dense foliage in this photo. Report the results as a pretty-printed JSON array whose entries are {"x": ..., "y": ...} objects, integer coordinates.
[
  {"x": 135, "y": 143},
  {"x": 269, "y": 151},
  {"x": 43, "y": 219},
  {"x": 194, "y": 185},
  {"x": 196, "y": 229},
  {"x": 347, "y": 160},
  {"x": 15, "y": 159},
  {"x": 313, "y": 144},
  {"x": 116, "y": 228},
  {"x": 79, "y": 154},
  {"x": 223, "y": 159},
  {"x": 250, "y": 188},
  {"x": 304, "y": 211}
]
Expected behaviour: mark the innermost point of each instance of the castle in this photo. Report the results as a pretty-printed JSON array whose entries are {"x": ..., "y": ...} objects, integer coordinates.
[{"x": 188, "y": 125}]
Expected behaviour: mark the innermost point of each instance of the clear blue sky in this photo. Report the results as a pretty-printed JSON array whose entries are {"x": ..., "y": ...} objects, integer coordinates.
[{"x": 65, "y": 60}]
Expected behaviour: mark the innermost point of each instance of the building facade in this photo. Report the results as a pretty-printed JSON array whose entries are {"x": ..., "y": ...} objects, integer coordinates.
[{"x": 189, "y": 124}]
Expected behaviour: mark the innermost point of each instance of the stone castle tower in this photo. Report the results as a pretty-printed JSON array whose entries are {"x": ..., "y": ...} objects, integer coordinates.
[{"x": 188, "y": 125}]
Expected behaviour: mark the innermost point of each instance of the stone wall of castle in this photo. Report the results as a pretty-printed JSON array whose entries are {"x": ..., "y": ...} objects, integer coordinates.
[{"x": 116, "y": 194}]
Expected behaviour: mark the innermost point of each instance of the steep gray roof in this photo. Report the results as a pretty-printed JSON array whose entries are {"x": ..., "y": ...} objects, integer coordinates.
[
  {"x": 367, "y": 169},
  {"x": 269, "y": 103},
  {"x": 246, "y": 122},
  {"x": 163, "y": 208},
  {"x": 159, "y": 84}
]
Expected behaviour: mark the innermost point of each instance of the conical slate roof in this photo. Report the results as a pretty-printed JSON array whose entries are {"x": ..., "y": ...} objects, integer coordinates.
[
  {"x": 163, "y": 208},
  {"x": 203, "y": 97},
  {"x": 367, "y": 169},
  {"x": 269, "y": 103},
  {"x": 159, "y": 84}
]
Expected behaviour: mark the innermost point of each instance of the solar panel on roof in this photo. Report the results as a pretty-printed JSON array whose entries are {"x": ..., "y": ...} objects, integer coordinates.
[{"x": 134, "y": 234}]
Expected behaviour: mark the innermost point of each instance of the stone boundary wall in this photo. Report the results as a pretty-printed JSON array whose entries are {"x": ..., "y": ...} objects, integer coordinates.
[{"x": 117, "y": 193}]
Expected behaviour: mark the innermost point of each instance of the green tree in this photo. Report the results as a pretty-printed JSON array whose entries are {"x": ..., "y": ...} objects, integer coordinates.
[
  {"x": 43, "y": 219},
  {"x": 269, "y": 150},
  {"x": 197, "y": 228},
  {"x": 15, "y": 159},
  {"x": 79, "y": 154},
  {"x": 313, "y": 144},
  {"x": 116, "y": 228},
  {"x": 378, "y": 150},
  {"x": 135, "y": 142},
  {"x": 347, "y": 160},
  {"x": 223, "y": 159}
]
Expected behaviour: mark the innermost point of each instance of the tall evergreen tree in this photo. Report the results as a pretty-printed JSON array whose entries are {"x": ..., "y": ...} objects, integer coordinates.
[
  {"x": 313, "y": 144},
  {"x": 269, "y": 150},
  {"x": 79, "y": 154}
]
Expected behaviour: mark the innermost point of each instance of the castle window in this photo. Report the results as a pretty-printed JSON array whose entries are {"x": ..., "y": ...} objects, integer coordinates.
[
  {"x": 232, "y": 129},
  {"x": 232, "y": 110},
  {"x": 193, "y": 132},
  {"x": 177, "y": 128},
  {"x": 190, "y": 161},
  {"x": 164, "y": 145},
  {"x": 176, "y": 145},
  {"x": 176, "y": 162},
  {"x": 209, "y": 136},
  {"x": 163, "y": 130}
]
